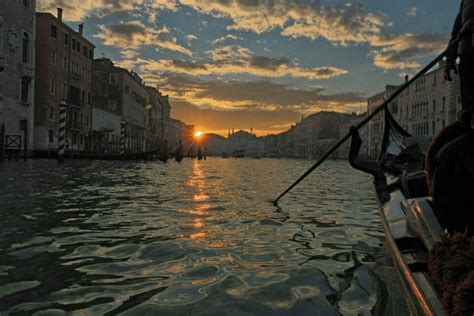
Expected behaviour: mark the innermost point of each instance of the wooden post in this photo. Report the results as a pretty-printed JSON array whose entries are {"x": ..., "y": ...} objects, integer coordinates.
[
  {"x": 25, "y": 144},
  {"x": 2, "y": 142},
  {"x": 62, "y": 130}
]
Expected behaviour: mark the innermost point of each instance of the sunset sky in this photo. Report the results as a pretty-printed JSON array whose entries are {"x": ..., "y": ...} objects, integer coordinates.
[{"x": 262, "y": 64}]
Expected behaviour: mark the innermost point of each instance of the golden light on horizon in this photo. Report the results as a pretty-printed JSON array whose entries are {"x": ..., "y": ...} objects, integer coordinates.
[{"x": 198, "y": 134}]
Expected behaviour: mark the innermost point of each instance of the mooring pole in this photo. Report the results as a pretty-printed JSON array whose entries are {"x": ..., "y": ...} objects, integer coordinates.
[
  {"x": 62, "y": 130},
  {"x": 25, "y": 145},
  {"x": 122, "y": 138},
  {"x": 2, "y": 142}
]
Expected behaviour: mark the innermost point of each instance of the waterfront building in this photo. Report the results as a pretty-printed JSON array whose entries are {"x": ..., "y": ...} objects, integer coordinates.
[
  {"x": 430, "y": 104},
  {"x": 17, "y": 73},
  {"x": 177, "y": 131},
  {"x": 216, "y": 145},
  {"x": 423, "y": 109},
  {"x": 316, "y": 133},
  {"x": 63, "y": 73},
  {"x": 156, "y": 118},
  {"x": 240, "y": 142},
  {"x": 121, "y": 92}
]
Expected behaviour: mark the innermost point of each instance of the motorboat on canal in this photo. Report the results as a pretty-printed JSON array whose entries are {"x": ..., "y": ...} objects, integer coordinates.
[{"x": 410, "y": 225}]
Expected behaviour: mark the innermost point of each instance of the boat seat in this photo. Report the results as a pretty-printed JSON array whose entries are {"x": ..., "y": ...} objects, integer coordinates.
[{"x": 423, "y": 220}]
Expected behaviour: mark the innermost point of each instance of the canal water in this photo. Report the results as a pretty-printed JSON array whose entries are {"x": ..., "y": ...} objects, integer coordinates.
[{"x": 199, "y": 237}]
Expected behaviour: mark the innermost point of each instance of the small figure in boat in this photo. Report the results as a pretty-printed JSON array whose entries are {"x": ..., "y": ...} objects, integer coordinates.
[
  {"x": 164, "y": 152},
  {"x": 199, "y": 153},
  {"x": 179, "y": 151},
  {"x": 463, "y": 30}
]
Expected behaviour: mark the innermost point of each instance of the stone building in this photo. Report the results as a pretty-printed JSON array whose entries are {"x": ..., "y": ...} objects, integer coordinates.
[
  {"x": 423, "y": 109},
  {"x": 119, "y": 92},
  {"x": 316, "y": 133},
  {"x": 155, "y": 118},
  {"x": 17, "y": 73},
  {"x": 63, "y": 73}
]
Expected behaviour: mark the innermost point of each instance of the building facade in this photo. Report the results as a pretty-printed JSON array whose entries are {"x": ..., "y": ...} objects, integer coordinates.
[
  {"x": 423, "y": 109},
  {"x": 64, "y": 73},
  {"x": 17, "y": 74},
  {"x": 121, "y": 93}
]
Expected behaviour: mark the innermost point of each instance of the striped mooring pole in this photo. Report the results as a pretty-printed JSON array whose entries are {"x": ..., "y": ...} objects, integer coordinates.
[
  {"x": 122, "y": 138},
  {"x": 62, "y": 130}
]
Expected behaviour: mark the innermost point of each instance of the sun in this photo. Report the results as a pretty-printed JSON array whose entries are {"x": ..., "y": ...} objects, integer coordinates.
[{"x": 198, "y": 134}]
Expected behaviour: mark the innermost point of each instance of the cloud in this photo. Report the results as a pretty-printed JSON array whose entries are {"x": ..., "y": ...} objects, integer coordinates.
[
  {"x": 224, "y": 38},
  {"x": 135, "y": 34},
  {"x": 406, "y": 51},
  {"x": 338, "y": 23},
  {"x": 235, "y": 60},
  {"x": 219, "y": 121},
  {"x": 191, "y": 37},
  {"x": 77, "y": 10},
  {"x": 268, "y": 107},
  {"x": 259, "y": 66},
  {"x": 252, "y": 95}
]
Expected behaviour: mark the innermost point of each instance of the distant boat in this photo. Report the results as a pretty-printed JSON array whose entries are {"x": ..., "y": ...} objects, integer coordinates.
[
  {"x": 179, "y": 152},
  {"x": 164, "y": 152}
]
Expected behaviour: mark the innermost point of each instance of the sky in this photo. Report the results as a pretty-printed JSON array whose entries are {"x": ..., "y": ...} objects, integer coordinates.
[{"x": 264, "y": 64}]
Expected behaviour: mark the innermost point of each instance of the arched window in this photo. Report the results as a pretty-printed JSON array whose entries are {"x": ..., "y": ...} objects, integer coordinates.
[{"x": 25, "y": 48}]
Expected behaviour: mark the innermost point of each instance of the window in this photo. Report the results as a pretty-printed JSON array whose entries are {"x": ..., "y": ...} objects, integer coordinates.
[
  {"x": 78, "y": 47},
  {"x": 52, "y": 57},
  {"x": 51, "y": 112},
  {"x": 52, "y": 86},
  {"x": 54, "y": 31},
  {"x": 127, "y": 89},
  {"x": 81, "y": 139},
  {"x": 84, "y": 51},
  {"x": 64, "y": 90},
  {"x": 83, "y": 72},
  {"x": 65, "y": 63},
  {"x": 51, "y": 136},
  {"x": 88, "y": 98},
  {"x": 25, "y": 48},
  {"x": 434, "y": 106},
  {"x": 25, "y": 89},
  {"x": 91, "y": 54},
  {"x": 113, "y": 78},
  {"x": 112, "y": 105},
  {"x": 74, "y": 43},
  {"x": 83, "y": 96},
  {"x": 87, "y": 120},
  {"x": 66, "y": 39}
]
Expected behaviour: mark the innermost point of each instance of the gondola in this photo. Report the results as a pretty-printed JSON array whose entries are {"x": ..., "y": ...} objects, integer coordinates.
[{"x": 409, "y": 222}]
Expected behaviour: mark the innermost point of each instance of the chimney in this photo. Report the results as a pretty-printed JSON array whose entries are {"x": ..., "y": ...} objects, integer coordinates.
[
  {"x": 81, "y": 28},
  {"x": 60, "y": 14},
  {"x": 406, "y": 78}
]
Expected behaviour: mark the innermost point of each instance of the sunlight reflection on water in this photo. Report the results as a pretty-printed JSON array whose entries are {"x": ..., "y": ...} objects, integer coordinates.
[{"x": 196, "y": 237}]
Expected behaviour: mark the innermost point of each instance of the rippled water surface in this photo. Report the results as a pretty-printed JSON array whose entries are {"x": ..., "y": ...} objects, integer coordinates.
[{"x": 189, "y": 238}]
